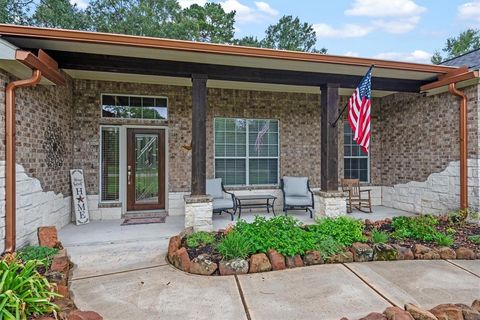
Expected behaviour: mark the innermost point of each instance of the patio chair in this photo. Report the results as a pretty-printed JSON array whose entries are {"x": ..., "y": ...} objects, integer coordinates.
[
  {"x": 297, "y": 194},
  {"x": 223, "y": 201},
  {"x": 357, "y": 198}
]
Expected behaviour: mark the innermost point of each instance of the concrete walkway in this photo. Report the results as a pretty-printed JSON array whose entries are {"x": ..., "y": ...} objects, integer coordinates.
[{"x": 121, "y": 272}]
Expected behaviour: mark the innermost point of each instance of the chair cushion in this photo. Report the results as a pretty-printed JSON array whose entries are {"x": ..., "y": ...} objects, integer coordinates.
[
  {"x": 222, "y": 204},
  {"x": 214, "y": 188},
  {"x": 295, "y": 186},
  {"x": 298, "y": 201}
]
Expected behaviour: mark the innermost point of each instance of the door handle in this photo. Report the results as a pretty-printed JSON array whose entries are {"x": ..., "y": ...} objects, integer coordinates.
[{"x": 129, "y": 175}]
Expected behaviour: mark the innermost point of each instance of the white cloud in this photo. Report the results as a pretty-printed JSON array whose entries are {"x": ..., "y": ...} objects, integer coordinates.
[
  {"x": 324, "y": 30},
  {"x": 82, "y": 4},
  {"x": 352, "y": 54},
  {"x": 187, "y": 3},
  {"x": 265, "y": 7},
  {"x": 414, "y": 56},
  {"x": 469, "y": 11},
  {"x": 403, "y": 25},
  {"x": 383, "y": 8}
]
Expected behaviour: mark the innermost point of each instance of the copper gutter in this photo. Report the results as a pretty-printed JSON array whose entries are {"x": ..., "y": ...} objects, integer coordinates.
[
  {"x": 191, "y": 46},
  {"x": 44, "y": 66},
  {"x": 10, "y": 190},
  {"x": 463, "y": 145}
]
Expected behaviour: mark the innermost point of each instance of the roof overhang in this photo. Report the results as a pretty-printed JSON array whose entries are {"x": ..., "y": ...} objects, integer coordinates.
[{"x": 107, "y": 50}]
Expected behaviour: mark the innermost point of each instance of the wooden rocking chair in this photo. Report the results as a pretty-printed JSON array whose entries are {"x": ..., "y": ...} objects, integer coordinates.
[{"x": 357, "y": 198}]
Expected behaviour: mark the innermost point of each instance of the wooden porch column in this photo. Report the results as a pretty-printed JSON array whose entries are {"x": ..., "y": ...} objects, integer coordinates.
[
  {"x": 199, "y": 134},
  {"x": 329, "y": 137}
]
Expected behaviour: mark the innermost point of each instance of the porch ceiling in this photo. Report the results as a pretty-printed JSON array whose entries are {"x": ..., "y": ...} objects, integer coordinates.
[{"x": 98, "y": 54}]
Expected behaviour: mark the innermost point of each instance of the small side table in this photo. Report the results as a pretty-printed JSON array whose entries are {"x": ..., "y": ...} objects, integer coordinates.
[{"x": 255, "y": 201}]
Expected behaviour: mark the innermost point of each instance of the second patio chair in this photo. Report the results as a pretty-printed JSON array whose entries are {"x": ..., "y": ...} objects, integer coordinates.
[{"x": 297, "y": 194}]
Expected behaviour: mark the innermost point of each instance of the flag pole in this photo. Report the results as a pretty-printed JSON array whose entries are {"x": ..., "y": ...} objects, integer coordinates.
[{"x": 334, "y": 124}]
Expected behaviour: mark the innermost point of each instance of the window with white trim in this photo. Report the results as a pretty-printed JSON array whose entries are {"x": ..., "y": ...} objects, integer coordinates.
[
  {"x": 246, "y": 151},
  {"x": 134, "y": 107},
  {"x": 110, "y": 163},
  {"x": 356, "y": 162}
]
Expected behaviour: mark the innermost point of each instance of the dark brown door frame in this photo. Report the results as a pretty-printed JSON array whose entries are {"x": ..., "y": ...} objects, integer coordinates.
[{"x": 162, "y": 155}]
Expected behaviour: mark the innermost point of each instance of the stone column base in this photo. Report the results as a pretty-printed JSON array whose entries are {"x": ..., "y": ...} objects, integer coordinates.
[
  {"x": 330, "y": 203},
  {"x": 198, "y": 212}
]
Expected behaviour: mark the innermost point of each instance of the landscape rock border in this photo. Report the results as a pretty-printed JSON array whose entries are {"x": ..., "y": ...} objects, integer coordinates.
[
  {"x": 274, "y": 261},
  {"x": 59, "y": 274},
  {"x": 446, "y": 311}
]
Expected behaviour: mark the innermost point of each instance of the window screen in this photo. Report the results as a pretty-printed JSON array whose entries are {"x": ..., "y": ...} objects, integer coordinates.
[
  {"x": 246, "y": 151},
  {"x": 355, "y": 161},
  {"x": 110, "y": 164}
]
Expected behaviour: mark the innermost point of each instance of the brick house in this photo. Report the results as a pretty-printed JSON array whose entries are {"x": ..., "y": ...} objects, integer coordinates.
[{"x": 125, "y": 109}]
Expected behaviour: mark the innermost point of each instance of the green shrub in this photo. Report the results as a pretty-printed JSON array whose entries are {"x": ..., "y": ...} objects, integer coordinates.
[
  {"x": 329, "y": 247},
  {"x": 200, "y": 238},
  {"x": 420, "y": 228},
  {"x": 282, "y": 233},
  {"x": 23, "y": 291},
  {"x": 443, "y": 240},
  {"x": 44, "y": 254},
  {"x": 234, "y": 245},
  {"x": 379, "y": 236},
  {"x": 344, "y": 230},
  {"x": 475, "y": 239}
]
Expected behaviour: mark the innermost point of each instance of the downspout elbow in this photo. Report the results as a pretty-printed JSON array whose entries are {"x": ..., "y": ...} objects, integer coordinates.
[
  {"x": 463, "y": 133},
  {"x": 10, "y": 190}
]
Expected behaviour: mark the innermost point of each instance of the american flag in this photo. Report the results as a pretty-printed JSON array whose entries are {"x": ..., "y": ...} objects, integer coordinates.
[{"x": 359, "y": 111}]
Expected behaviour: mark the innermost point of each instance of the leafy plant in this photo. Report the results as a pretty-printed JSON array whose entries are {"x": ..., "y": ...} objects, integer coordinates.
[
  {"x": 344, "y": 230},
  {"x": 379, "y": 236},
  {"x": 443, "y": 240},
  {"x": 329, "y": 247},
  {"x": 44, "y": 254},
  {"x": 234, "y": 245},
  {"x": 200, "y": 238},
  {"x": 475, "y": 239},
  {"x": 421, "y": 228},
  {"x": 451, "y": 231},
  {"x": 283, "y": 233},
  {"x": 23, "y": 291}
]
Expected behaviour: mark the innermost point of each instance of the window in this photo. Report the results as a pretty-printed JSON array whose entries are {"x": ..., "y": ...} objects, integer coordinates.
[
  {"x": 355, "y": 161},
  {"x": 110, "y": 163},
  {"x": 246, "y": 151},
  {"x": 134, "y": 107}
]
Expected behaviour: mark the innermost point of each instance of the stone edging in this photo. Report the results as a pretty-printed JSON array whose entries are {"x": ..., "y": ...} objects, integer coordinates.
[
  {"x": 447, "y": 311},
  {"x": 273, "y": 260}
]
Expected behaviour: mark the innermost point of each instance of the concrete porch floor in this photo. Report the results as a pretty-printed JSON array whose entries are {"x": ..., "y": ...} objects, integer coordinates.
[{"x": 121, "y": 272}]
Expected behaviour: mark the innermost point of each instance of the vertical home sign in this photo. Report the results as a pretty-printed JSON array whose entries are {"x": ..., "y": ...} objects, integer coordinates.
[{"x": 79, "y": 196}]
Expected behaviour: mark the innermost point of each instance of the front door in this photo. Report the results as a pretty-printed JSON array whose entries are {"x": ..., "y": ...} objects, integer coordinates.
[{"x": 145, "y": 169}]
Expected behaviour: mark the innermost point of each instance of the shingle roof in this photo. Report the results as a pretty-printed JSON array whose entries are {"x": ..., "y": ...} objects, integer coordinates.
[{"x": 470, "y": 59}]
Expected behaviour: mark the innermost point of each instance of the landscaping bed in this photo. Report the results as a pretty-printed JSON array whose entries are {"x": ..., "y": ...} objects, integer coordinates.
[
  {"x": 35, "y": 282},
  {"x": 283, "y": 242}
]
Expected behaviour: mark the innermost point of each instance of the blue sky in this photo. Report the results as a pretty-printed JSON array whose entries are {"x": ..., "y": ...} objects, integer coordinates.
[{"x": 409, "y": 30}]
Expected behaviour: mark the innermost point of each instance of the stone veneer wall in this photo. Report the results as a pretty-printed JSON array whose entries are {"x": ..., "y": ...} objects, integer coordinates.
[
  {"x": 44, "y": 113},
  {"x": 420, "y": 151}
]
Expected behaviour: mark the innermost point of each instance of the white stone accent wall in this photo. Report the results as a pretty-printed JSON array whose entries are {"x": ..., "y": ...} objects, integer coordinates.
[
  {"x": 439, "y": 194},
  {"x": 198, "y": 214},
  {"x": 102, "y": 213},
  {"x": 35, "y": 207}
]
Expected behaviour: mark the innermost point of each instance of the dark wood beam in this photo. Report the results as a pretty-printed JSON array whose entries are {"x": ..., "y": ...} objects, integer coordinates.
[
  {"x": 329, "y": 137},
  {"x": 199, "y": 134},
  {"x": 106, "y": 63}
]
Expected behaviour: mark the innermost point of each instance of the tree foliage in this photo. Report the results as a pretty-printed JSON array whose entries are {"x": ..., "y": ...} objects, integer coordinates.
[
  {"x": 157, "y": 18},
  {"x": 466, "y": 41},
  {"x": 290, "y": 34}
]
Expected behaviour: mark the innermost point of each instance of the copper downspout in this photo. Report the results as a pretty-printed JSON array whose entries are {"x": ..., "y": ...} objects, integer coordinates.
[
  {"x": 463, "y": 145},
  {"x": 10, "y": 192}
]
